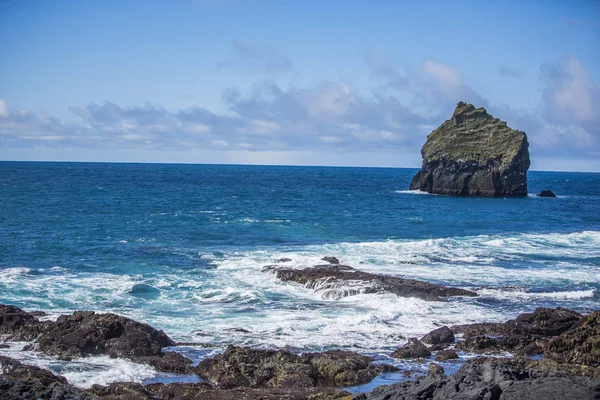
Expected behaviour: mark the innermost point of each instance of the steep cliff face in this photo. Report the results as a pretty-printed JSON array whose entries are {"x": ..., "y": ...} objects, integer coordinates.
[{"x": 474, "y": 154}]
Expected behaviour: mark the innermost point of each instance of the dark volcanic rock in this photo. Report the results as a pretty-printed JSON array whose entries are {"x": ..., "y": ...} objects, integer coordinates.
[
  {"x": 413, "y": 349},
  {"x": 331, "y": 260},
  {"x": 546, "y": 193},
  {"x": 445, "y": 355},
  {"x": 86, "y": 333},
  {"x": 244, "y": 367},
  {"x": 474, "y": 154},
  {"x": 580, "y": 344},
  {"x": 25, "y": 382},
  {"x": 439, "y": 336},
  {"x": 19, "y": 325},
  {"x": 337, "y": 281},
  {"x": 493, "y": 379},
  {"x": 528, "y": 334},
  {"x": 204, "y": 391}
]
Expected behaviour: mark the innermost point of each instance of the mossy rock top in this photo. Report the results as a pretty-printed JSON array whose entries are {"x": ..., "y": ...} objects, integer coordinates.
[{"x": 473, "y": 135}]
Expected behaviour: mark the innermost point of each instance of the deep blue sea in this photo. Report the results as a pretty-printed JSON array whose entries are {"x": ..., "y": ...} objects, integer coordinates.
[{"x": 182, "y": 247}]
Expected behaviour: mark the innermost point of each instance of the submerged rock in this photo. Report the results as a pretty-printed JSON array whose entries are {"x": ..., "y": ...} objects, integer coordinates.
[
  {"x": 474, "y": 154},
  {"x": 341, "y": 280},
  {"x": 255, "y": 368}
]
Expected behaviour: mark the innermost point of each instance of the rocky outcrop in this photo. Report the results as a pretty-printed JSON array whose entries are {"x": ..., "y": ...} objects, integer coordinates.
[
  {"x": 204, "y": 391},
  {"x": 255, "y": 368},
  {"x": 528, "y": 334},
  {"x": 490, "y": 379},
  {"x": 439, "y": 336},
  {"x": 414, "y": 348},
  {"x": 474, "y": 154},
  {"x": 85, "y": 333},
  {"x": 578, "y": 345},
  {"x": 19, "y": 325},
  {"x": 337, "y": 281},
  {"x": 26, "y": 382}
]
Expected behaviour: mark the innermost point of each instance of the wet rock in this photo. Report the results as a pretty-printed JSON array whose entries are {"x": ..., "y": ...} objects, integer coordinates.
[
  {"x": 85, "y": 333},
  {"x": 546, "y": 193},
  {"x": 4, "y": 346},
  {"x": 341, "y": 280},
  {"x": 525, "y": 345},
  {"x": 439, "y": 336},
  {"x": 435, "y": 370},
  {"x": 19, "y": 325},
  {"x": 543, "y": 321},
  {"x": 478, "y": 329},
  {"x": 579, "y": 345},
  {"x": 169, "y": 361},
  {"x": 204, "y": 391},
  {"x": 283, "y": 260},
  {"x": 474, "y": 154},
  {"x": 490, "y": 379},
  {"x": 331, "y": 260},
  {"x": 244, "y": 367},
  {"x": 413, "y": 349},
  {"x": 26, "y": 382},
  {"x": 446, "y": 355}
]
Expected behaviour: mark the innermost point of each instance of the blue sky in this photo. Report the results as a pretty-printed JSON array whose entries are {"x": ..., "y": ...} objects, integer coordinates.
[{"x": 280, "y": 82}]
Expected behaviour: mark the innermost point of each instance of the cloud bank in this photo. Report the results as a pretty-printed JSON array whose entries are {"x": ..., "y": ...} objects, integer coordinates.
[{"x": 332, "y": 116}]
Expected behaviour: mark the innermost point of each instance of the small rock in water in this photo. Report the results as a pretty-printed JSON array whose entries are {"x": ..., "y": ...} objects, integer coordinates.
[
  {"x": 413, "y": 349},
  {"x": 331, "y": 260},
  {"x": 446, "y": 355},
  {"x": 438, "y": 336},
  {"x": 546, "y": 193}
]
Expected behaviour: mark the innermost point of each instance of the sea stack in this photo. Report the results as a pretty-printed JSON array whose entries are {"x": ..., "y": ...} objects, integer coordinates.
[{"x": 474, "y": 154}]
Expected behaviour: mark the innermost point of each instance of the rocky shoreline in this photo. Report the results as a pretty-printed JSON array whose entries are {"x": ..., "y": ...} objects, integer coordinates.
[{"x": 554, "y": 354}]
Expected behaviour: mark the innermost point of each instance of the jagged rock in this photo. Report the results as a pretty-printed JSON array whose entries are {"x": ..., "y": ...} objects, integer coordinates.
[
  {"x": 474, "y": 154},
  {"x": 413, "y": 349},
  {"x": 546, "y": 193},
  {"x": 204, "y": 391},
  {"x": 435, "y": 370},
  {"x": 86, "y": 333},
  {"x": 525, "y": 335},
  {"x": 580, "y": 344},
  {"x": 446, "y": 355},
  {"x": 331, "y": 260},
  {"x": 26, "y": 382},
  {"x": 439, "y": 336},
  {"x": 492, "y": 379},
  {"x": 337, "y": 281},
  {"x": 244, "y": 367},
  {"x": 19, "y": 325}
]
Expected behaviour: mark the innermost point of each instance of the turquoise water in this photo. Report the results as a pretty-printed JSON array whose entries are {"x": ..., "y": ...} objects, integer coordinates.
[{"x": 182, "y": 247}]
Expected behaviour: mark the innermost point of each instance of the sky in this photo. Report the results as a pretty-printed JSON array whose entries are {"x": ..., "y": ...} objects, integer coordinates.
[{"x": 349, "y": 83}]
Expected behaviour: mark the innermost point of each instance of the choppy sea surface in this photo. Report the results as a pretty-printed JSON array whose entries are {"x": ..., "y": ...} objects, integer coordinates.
[{"x": 182, "y": 247}]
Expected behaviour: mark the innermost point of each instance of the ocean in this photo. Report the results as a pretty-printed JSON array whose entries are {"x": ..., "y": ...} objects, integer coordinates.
[{"x": 182, "y": 247}]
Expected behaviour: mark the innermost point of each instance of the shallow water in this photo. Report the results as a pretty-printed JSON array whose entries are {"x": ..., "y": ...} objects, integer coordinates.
[{"x": 182, "y": 247}]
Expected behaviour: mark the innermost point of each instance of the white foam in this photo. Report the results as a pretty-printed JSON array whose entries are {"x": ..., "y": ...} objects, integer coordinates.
[
  {"x": 523, "y": 294},
  {"x": 84, "y": 372},
  {"x": 412, "y": 192}
]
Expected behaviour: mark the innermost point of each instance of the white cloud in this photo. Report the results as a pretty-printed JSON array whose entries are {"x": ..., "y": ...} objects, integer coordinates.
[{"x": 570, "y": 94}]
